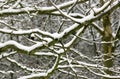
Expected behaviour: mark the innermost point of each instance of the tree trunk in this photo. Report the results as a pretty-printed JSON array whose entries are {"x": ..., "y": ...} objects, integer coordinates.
[{"x": 107, "y": 47}]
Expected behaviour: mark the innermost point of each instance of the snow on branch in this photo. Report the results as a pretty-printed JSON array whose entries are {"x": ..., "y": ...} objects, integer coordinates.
[
  {"x": 45, "y": 53},
  {"x": 40, "y": 10},
  {"x": 66, "y": 32},
  {"x": 70, "y": 43},
  {"x": 78, "y": 15},
  {"x": 2, "y": 22},
  {"x": 24, "y": 67},
  {"x": 6, "y": 72},
  {"x": 113, "y": 6},
  {"x": 80, "y": 64},
  {"x": 16, "y": 4},
  {"x": 92, "y": 15},
  {"x": 102, "y": 75},
  {"x": 3, "y": 55},
  {"x": 26, "y": 32},
  {"x": 39, "y": 45},
  {"x": 33, "y": 75},
  {"x": 75, "y": 15},
  {"x": 49, "y": 40},
  {"x": 101, "y": 9},
  {"x": 70, "y": 73},
  {"x": 82, "y": 55},
  {"x": 44, "y": 74},
  {"x": 19, "y": 47}
]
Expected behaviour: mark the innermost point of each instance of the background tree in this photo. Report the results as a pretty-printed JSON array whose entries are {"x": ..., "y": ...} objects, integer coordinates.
[{"x": 59, "y": 39}]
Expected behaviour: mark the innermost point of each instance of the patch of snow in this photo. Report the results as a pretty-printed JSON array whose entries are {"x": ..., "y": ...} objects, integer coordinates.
[
  {"x": 33, "y": 75},
  {"x": 45, "y": 53}
]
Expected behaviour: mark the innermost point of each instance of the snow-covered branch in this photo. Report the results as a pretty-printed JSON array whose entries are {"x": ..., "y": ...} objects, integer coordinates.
[
  {"x": 67, "y": 72},
  {"x": 6, "y": 72},
  {"x": 3, "y": 55},
  {"x": 92, "y": 14},
  {"x": 25, "y": 67},
  {"x": 59, "y": 36},
  {"x": 66, "y": 32},
  {"x": 16, "y": 4},
  {"x": 26, "y": 32},
  {"x": 39, "y": 10},
  {"x": 45, "y": 74},
  {"x": 102, "y": 75}
]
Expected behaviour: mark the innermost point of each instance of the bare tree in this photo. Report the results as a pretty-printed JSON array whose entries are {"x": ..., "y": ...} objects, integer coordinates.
[{"x": 56, "y": 39}]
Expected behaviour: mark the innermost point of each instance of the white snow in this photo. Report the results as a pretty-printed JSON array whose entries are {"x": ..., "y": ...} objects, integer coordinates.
[
  {"x": 2, "y": 55},
  {"x": 16, "y": 4},
  {"x": 6, "y": 72},
  {"x": 97, "y": 10},
  {"x": 74, "y": 38},
  {"x": 50, "y": 37},
  {"x": 24, "y": 67},
  {"x": 20, "y": 46},
  {"x": 45, "y": 53},
  {"x": 22, "y": 32},
  {"x": 33, "y": 75},
  {"x": 28, "y": 9},
  {"x": 41, "y": 74}
]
